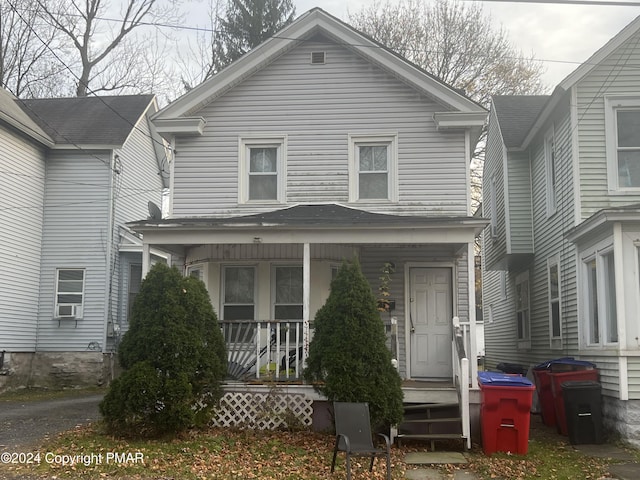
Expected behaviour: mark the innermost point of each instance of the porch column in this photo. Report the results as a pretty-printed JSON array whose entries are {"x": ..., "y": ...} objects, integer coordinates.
[
  {"x": 306, "y": 292},
  {"x": 472, "y": 355},
  {"x": 146, "y": 259}
]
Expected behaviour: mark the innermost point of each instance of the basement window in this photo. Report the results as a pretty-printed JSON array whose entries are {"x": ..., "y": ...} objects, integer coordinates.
[{"x": 318, "y": 58}]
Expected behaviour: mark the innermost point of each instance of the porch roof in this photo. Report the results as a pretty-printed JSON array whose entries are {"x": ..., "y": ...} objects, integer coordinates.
[
  {"x": 299, "y": 221},
  {"x": 602, "y": 220}
]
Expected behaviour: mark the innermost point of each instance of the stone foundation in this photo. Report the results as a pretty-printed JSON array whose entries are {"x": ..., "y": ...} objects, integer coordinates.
[
  {"x": 56, "y": 370},
  {"x": 622, "y": 418}
]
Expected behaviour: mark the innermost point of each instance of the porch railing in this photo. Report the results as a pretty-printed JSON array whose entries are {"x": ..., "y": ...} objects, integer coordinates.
[
  {"x": 461, "y": 377},
  {"x": 264, "y": 349}
]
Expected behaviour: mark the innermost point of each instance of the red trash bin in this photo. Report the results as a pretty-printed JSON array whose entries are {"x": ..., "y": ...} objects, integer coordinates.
[
  {"x": 505, "y": 412},
  {"x": 542, "y": 377},
  {"x": 545, "y": 396},
  {"x": 576, "y": 370}
]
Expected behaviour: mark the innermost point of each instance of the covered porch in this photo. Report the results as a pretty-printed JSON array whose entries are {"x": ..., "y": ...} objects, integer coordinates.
[{"x": 268, "y": 273}]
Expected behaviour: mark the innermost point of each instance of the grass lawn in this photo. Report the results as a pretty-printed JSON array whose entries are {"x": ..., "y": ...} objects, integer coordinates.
[
  {"x": 35, "y": 394},
  {"x": 226, "y": 454}
]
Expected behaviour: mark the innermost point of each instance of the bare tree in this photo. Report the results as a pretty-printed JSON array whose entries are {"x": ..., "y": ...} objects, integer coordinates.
[
  {"x": 201, "y": 58},
  {"x": 27, "y": 65},
  {"x": 457, "y": 43},
  {"x": 107, "y": 47}
]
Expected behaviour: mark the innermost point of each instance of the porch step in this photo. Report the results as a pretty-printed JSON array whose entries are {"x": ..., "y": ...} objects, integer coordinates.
[
  {"x": 430, "y": 436},
  {"x": 434, "y": 420},
  {"x": 430, "y": 406},
  {"x": 431, "y": 422}
]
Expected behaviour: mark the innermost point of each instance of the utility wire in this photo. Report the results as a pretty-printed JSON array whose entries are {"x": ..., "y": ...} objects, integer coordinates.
[
  {"x": 613, "y": 3},
  {"x": 32, "y": 29}
]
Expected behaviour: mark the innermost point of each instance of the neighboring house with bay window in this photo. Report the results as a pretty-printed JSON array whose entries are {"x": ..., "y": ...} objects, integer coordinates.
[
  {"x": 73, "y": 171},
  {"x": 561, "y": 254},
  {"x": 318, "y": 146}
]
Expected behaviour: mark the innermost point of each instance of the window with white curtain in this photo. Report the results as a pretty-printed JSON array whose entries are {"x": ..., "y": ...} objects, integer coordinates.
[{"x": 262, "y": 170}]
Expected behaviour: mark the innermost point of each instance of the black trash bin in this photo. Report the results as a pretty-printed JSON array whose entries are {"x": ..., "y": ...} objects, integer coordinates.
[
  {"x": 583, "y": 407},
  {"x": 512, "y": 368}
]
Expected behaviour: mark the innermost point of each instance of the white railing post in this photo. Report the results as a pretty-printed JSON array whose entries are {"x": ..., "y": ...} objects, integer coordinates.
[
  {"x": 464, "y": 400},
  {"x": 461, "y": 376},
  {"x": 306, "y": 293}
]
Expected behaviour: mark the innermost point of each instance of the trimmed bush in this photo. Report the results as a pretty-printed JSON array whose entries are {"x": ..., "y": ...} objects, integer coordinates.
[
  {"x": 348, "y": 357},
  {"x": 173, "y": 356}
]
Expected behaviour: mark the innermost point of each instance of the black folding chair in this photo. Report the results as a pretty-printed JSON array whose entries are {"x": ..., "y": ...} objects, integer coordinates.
[{"x": 353, "y": 436}]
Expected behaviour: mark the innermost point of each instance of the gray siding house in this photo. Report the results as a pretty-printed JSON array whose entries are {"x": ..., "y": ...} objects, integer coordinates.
[
  {"x": 562, "y": 191},
  {"x": 317, "y": 146},
  {"x": 74, "y": 171}
]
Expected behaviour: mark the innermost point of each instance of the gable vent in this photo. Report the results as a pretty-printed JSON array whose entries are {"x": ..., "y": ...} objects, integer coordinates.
[{"x": 317, "y": 58}]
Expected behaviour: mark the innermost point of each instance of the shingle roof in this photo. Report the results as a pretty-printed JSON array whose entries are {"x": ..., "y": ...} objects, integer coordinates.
[
  {"x": 87, "y": 120},
  {"x": 516, "y": 115},
  {"x": 11, "y": 113},
  {"x": 315, "y": 215}
]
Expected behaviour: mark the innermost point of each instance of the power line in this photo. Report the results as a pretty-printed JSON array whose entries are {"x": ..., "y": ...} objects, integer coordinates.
[
  {"x": 134, "y": 126},
  {"x": 345, "y": 44},
  {"x": 613, "y": 3},
  {"x": 66, "y": 204},
  {"x": 68, "y": 182}
]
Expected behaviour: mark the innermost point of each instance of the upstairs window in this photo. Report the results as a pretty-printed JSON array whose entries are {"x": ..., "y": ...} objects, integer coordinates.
[
  {"x": 372, "y": 168},
  {"x": 628, "y": 147},
  {"x": 622, "y": 119},
  {"x": 69, "y": 292},
  {"x": 262, "y": 170}
]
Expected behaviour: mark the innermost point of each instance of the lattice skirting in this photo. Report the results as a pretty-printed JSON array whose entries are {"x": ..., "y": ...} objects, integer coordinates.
[{"x": 264, "y": 411}]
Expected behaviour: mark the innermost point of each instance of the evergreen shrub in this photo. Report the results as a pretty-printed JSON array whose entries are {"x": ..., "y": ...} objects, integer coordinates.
[
  {"x": 348, "y": 357},
  {"x": 173, "y": 356}
]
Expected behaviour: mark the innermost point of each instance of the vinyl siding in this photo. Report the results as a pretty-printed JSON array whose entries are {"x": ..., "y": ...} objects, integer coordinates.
[
  {"x": 22, "y": 172},
  {"x": 520, "y": 233},
  {"x": 549, "y": 240},
  {"x": 137, "y": 183},
  {"x": 372, "y": 260},
  {"x": 617, "y": 75},
  {"x": 317, "y": 107},
  {"x": 495, "y": 248},
  {"x": 499, "y": 319},
  {"x": 633, "y": 369},
  {"x": 75, "y": 236}
]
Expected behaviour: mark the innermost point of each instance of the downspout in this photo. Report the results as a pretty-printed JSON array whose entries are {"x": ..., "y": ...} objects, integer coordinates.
[{"x": 109, "y": 250}]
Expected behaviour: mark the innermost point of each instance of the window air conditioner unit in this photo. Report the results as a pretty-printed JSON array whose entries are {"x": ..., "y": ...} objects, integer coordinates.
[{"x": 67, "y": 311}]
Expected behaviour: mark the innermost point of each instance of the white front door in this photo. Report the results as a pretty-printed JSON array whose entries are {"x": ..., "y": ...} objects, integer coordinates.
[{"x": 430, "y": 322}]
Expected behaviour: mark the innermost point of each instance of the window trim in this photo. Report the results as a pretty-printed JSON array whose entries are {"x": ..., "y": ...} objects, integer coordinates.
[
  {"x": 274, "y": 267},
  {"x": 131, "y": 301},
  {"x": 551, "y": 174},
  {"x": 597, "y": 253},
  {"x": 194, "y": 267},
  {"x": 612, "y": 103},
  {"x": 247, "y": 142},
  {"x": 555, "y": 342},
  {"x": 356, "y": 140},
  {"x": 78, "y": 307},
  {"x": 524, "y": 342},
  {"x": 223, "y": 286}
]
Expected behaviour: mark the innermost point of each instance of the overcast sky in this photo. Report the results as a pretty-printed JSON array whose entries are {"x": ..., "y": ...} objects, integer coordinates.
[{"x": 561, "y": 35}]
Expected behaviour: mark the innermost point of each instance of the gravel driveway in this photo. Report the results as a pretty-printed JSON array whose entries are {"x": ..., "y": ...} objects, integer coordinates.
[{"x": 25, "y": 423}]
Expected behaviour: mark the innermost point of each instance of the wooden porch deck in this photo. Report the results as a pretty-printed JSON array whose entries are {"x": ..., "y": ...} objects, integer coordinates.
[{"x": 418, "y": 391}]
